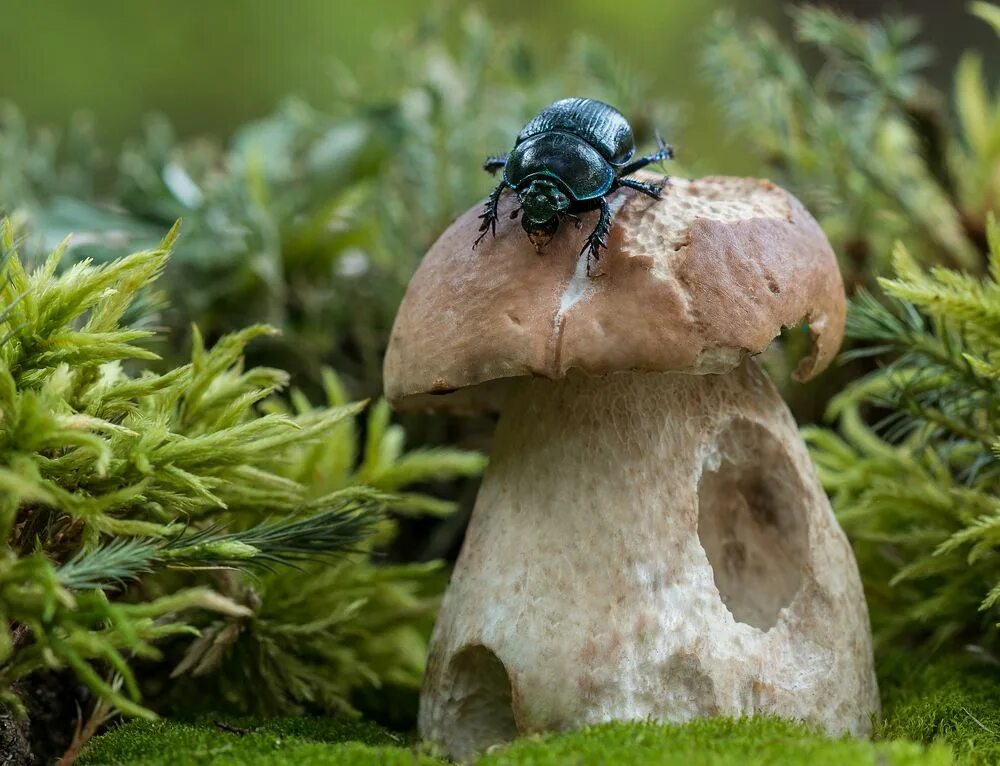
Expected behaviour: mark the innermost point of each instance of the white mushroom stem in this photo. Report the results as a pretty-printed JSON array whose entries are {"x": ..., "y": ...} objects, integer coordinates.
[{"x": 647, "y": 545}]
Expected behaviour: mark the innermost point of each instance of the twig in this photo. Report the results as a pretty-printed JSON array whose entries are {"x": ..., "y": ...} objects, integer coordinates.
[
  {"x": 102, "y": 712},
  {"x": 982, "y": 725},
  {"x": 233, "y": 729}
]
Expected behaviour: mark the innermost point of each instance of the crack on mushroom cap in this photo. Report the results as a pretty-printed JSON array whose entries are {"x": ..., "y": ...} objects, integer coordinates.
[{"x": 695, "y": 282}]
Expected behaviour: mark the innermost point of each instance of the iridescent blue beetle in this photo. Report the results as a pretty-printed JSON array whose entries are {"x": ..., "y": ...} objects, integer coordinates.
[{"x": 566, "y": 160}]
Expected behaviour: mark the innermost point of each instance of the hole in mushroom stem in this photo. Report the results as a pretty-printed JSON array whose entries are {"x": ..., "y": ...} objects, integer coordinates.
[
  {"x": 751, "y": 522},
  {"x": 481, "y": 712}
]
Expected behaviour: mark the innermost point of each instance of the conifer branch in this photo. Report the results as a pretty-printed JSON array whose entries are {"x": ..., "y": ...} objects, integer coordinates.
[{"x": 124, "y": 476}]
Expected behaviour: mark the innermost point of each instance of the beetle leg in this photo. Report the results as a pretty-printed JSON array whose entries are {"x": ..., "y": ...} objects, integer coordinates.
[
  {"x": 489, "y": 214},
  {"x": 598, "y": 237},
  {"x": 664, "y": 152},
  {"x": 495, "y": 163},
  {"x": 577, "y": 221},
  {"x": 653, "y": 190}
]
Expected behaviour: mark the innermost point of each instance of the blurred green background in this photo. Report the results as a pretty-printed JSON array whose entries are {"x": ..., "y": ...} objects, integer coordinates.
[{"x": 210, "y": 66}]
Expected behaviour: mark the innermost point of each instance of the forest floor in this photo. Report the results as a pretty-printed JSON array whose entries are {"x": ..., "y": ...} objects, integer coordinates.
[{"x": 947, "y": 712}]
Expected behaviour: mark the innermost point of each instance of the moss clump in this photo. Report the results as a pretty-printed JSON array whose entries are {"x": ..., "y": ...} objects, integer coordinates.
[
  {"x": 954, "y": 701},
  {"x": 322, "y": 741},
  {"x": 941, "y": 713},
  {"x": 251, "y": 741},
  {"x": 716, "y": 741}
]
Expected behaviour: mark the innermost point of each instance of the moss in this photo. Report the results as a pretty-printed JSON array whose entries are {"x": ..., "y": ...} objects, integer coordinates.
[
  {"x": 324, "y": 741},
  {"x": 955, "y": 701},
  {"x": 943, "y": 712},
  {"x": 710, "y": 741},
  {"x": 275, "y": 740}
]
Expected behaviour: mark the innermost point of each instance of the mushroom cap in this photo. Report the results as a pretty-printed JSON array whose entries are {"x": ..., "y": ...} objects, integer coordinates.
[{"x": 694, "y": 282}]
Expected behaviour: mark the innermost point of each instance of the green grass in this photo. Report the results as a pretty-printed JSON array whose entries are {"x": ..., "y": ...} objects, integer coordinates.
[{"x": 944, "y": 713}]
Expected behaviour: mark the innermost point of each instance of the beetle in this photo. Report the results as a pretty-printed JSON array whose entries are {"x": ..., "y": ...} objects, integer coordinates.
[{"x": 566, "y": 160}]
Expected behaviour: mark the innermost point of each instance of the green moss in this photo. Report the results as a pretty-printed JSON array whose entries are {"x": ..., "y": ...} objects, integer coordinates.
[
  {"x": 954, "y": 701},
  {"x": 275, "y": 740},
  {"x": 322, "y": 741},
  {"x": 940, "y": 713},
  {"x": 716, "y": 741}
]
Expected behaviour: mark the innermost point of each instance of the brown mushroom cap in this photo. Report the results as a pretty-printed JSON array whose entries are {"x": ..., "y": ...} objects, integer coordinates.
[{"x": 691, "y": 283}]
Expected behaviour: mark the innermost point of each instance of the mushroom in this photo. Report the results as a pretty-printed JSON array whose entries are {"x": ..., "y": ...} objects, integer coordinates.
[{"x": 650, "y": 539}]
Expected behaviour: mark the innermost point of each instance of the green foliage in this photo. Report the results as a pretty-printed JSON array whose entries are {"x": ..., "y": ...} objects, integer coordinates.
[
  {"x": 183, "y": 482},
  {"x": 716, "y": 741},
  {"x": 987, "y": 12},
  {"x": 309, "y": 220},
  {"x": 867, "y": 142},
  {"x": 317, "y": 635},
  {"x": 920, "y": 493}
]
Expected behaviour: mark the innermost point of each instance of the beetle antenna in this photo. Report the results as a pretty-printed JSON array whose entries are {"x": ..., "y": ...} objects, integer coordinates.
[{"x": 663, "y": 146}]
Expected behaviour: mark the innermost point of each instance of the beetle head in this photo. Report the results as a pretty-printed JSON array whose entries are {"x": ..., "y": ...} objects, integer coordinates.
[{"x": 541, "y": 204}]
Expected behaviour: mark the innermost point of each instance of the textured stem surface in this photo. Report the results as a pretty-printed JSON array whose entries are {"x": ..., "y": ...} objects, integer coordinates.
[{"x": 648, "y": 545}]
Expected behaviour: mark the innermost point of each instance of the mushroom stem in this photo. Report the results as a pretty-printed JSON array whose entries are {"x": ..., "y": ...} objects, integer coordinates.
[{"x": 647, "y": 545}]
